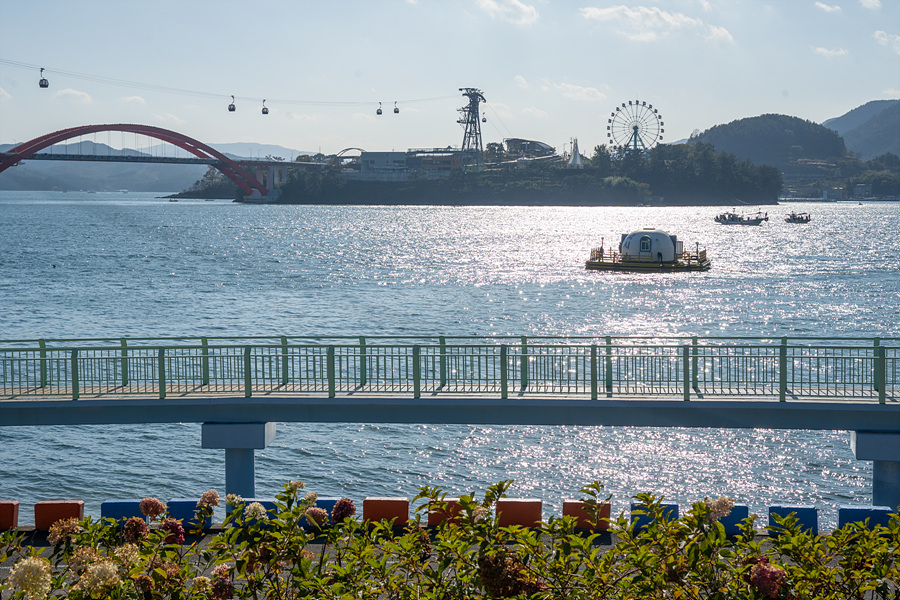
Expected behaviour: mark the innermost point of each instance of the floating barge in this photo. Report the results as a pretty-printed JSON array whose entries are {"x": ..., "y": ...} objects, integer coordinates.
[{"x": 648, "y": 250}]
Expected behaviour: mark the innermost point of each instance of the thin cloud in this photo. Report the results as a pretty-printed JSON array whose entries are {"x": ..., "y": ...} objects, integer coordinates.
[
  {"x": 531, "y": 111},
  {"x": 75, "y": 95},
  {"x": 169, "y": 118},
  {"x": 891, "y": 93},
  {"x": 888, "y": 40},
  {"x": 4, "y": 95},
  {"x": 133, "y": 100},
  {"x": 651, "y": 24},
  {"x": 304, "y": 117},
  {"x": 577, "y": 92},
  {"x": 828, "y": 8},
  {"x": 521, "y": 82},
  {"x": 871, "y": 4},
  {"x": 830, "y": 52},
  {"x": 513, "y": 11}
]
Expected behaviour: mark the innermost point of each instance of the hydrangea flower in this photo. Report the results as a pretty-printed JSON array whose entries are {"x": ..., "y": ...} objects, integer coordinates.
[
  {"x": 201, "y": 584},
  {"x": 174, "y": 529},
  {"x": 32, "y": 576},
  {"x": 222, "y": 588},
  {"x": 99, "y": 577},
  {"x": 343, "y": 509},
  {"x": 128, "y": 555},
  {"x": 152, "y": 507},
  {"x": 135, "y": 529},
  {"x": 84, "y": 557},
  {"x": 317, "y": 516},
  {"x": 719, "y": 508},
  {"x": 208, "y": 499},
  {"x": 766, "y": 578},
  {"x": 63, "y": 529},
  {"x": 233, "y": 499},
  {"x": 257, "y": 511},
  {"x": 297, "y": 485},
  {"x": 310, "y": 497}
]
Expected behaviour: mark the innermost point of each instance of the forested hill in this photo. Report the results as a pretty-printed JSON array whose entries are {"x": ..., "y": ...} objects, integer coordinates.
[{"x": 775, "y": 140}]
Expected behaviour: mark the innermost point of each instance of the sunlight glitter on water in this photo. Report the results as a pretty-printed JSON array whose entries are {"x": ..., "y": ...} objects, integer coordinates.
[{"x": 142, "y": 267}]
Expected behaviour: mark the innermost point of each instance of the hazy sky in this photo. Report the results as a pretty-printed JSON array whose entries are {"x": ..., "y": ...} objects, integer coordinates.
[{"x": 550, "y": 71}]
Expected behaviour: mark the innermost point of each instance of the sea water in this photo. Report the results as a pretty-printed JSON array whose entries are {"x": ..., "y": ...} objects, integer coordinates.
[{"x": 134, "y": 265}]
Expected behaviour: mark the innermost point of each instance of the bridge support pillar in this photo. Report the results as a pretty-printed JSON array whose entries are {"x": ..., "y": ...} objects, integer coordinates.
[
  {"x": 883, "y": 449},
  {"x": 239, "y": 440}
]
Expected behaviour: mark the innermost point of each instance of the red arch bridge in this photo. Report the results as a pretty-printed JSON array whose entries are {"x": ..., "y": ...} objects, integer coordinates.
[{"x": 251, "y": 177}]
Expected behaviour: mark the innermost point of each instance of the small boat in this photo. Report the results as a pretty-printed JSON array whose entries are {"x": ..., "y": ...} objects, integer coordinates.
[
  {"x": 732, "y": 218},
  {"x": 648, "y": 250},
  {"x": 798, "y": 218}
]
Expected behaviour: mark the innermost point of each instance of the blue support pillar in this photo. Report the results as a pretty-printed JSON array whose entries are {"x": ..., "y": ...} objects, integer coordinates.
[
  {"x": 883, "y": 449},
  {"x": 239, "y": 440}
]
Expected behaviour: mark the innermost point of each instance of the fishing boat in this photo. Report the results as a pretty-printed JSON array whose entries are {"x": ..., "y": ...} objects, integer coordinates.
[
  {"x": 648, "y": 250},
  {"x": 732, "y": 218},
  {"x": 798, "y": 218}
]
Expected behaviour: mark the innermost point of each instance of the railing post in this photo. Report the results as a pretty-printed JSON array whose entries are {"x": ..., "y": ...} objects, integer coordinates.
[
  {"x": 330, "y": 369},
  {"x": 880, "y": 374},
  {"x": 593, "y": 371},
  {"x": 416, "y": 372},
  {"x": 162, "y": 373},
  {"x": 443, "y": 360},
  {"x": 524, "y": 362},
  {"x": 363, "y": 376},
  {"x": 504, "y": 391},
  {"x": 43, "y": 346},
  {"x": 204, "y": 361},
  {"x": 782, "y": 370},
  {"x": 248, "y": 380},
  {"x": 609, "y": 371},
  {"x": 686, "y": 354},
  {"x": 284, "y": 361},
  {"x": 695, "y": 381},
  {"x": 876, "y": 344},
  {"x": 124, "y": 344},
  {"x": 75, "y": 390}
]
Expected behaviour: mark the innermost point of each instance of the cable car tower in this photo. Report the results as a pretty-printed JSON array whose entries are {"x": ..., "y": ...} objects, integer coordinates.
[{"x": 473, "y": 154}]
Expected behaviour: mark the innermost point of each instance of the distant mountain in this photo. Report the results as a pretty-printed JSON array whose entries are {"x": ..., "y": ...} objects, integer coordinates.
[
  {"x": 858, "y": 115},
  {"x": 870, "y": 130},
  {"x": 98, "y": 176},
  {"x": 252, "y": 150},
  {"x": 777, "y": 140}
]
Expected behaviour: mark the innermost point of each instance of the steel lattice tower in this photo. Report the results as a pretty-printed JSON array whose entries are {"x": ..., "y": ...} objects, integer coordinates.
[{"x": 473, "y": 153}]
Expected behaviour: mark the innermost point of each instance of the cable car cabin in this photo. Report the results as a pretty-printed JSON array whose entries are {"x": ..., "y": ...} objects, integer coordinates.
[
  {"x": 43, "y": 82},
  {"x": 378, "y": 112},
  {"x": 396, "y": 110},
  {"x": 265, "y": 110},
  {"x": 231, "y": 107}
]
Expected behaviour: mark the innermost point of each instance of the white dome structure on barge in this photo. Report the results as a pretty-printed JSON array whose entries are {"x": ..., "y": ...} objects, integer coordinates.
[{"x": 650, "y": 244}]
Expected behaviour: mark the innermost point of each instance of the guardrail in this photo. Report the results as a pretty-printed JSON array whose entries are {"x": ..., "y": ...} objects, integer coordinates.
[{"x": 696, "y": 367}]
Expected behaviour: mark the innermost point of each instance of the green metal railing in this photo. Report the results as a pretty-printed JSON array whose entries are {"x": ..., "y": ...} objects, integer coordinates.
[{"x": 686, "y": 368}]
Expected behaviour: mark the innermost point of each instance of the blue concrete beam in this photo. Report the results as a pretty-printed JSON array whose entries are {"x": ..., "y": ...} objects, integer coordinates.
[{"x": 239, "y": 440}]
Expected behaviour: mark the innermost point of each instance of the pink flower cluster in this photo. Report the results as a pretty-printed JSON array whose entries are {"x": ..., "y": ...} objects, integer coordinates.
[
  {"x": 317, "y": 516},
  {"x": 343, "y": 508},
  {"x": 222, "y": 588},
  {"x": 208, "y": 499},
  {"x": 766, "y": 578},
  {"x": 174, "y": 529},
  {"x": 151, "y": 507},
  {"x": 135, "y": 529}
]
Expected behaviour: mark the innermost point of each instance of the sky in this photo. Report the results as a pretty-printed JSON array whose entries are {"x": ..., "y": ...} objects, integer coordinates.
[{"x": 549, "y": 70}]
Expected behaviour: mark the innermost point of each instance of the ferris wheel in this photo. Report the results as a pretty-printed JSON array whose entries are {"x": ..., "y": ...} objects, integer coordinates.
[{"x": 635, "y": 126}]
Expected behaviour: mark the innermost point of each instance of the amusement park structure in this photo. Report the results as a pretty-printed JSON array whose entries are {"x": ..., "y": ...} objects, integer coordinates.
[
  {"x": 473, "y": 154},
  {"x": 634, "y": 126}
]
